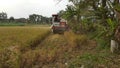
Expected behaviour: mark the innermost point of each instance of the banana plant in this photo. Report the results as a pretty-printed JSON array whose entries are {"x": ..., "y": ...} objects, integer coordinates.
[{"x": 112, "y": 26}]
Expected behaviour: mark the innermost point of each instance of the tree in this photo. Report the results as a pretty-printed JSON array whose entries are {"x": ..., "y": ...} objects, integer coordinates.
[
  {"x": 35, "y": 18},
  {"x": 77, "y": 10},
  {"x": 105, "y": 12},
  {"x": 11, "y": 19},
  {"x": 3, "y": 16},
  {"x": 38, "y": 19}
]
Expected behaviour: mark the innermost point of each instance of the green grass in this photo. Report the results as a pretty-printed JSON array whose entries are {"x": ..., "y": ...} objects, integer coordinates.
[
  {"x": 22, "y": 24},
  {"x": 12, "y": 24}
]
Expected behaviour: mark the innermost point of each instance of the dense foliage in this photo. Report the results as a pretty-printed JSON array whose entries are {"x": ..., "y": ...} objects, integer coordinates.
[{"x": 98, "y": 17}]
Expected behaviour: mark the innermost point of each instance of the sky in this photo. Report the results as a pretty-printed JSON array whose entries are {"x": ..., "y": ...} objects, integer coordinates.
[{"x": 23, "y": 8}]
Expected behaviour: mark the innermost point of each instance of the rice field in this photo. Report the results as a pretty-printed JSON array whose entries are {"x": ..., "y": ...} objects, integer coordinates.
[
  {"x": 21, "y": 36},
  {"x": 68, "y": 50},
  {"x": 15, "y": 41}
]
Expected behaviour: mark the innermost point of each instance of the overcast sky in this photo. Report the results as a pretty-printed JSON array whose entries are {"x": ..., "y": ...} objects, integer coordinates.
[{"x": 22, "y": 8}]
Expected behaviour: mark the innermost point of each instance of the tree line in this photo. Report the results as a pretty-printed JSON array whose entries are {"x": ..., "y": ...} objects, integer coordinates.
[{"x": 33, "y": 19}]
